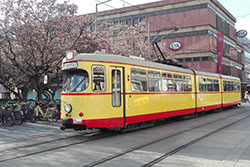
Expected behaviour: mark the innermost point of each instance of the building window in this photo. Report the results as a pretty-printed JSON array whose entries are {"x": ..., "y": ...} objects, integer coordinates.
[
  {"x": 179, "y": 35},
  {"x": 128, "y": 22},
  {"x": 163, "y": 12},
  {"x": 187, "y": 8},
  {"x": 188, "y": 59},
  {"x": 135, "y": 21},
  {"x": 187, "y": 34},
  {"x": 203, "y": 6},
  {"x": 204, "y": 58},
  {"x": 195, "y": 33},
  {"x": 196, "y": 59},
  {"x": 204, "y": 32},
  {"x": 157, "y": 13},
  {"x": 170, "y": 11},
  {"x": 194, "y": 7},
  {"x": 150, "y": 14},
  {"x": 179, "y": 9},
  {"x": 180, "y": 60}
]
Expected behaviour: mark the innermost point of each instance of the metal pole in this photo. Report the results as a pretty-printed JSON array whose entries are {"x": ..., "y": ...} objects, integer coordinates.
[
  {"x": 96, "y": 12},
  {"x": 149, "y": 40}
]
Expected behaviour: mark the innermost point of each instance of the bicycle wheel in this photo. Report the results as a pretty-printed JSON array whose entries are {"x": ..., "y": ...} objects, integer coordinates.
[
  {"x": 32, "y": 116},
  {"x": 18, "y": 118},
  {"x": 8, "y": 120},
  {"x": 52, "y": 116}
]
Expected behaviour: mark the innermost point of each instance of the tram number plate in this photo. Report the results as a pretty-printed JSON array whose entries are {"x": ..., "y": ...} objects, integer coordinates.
[{"x": 77, "y": 120}]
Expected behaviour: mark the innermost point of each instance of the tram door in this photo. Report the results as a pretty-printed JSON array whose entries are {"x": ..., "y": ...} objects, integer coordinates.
[{"x": 118, "y": 95}]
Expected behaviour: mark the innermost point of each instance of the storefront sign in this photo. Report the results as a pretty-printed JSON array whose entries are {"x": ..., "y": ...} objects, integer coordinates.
[
  {"x": 241, "y": 33},
  {"x": 175, "y": 45}
]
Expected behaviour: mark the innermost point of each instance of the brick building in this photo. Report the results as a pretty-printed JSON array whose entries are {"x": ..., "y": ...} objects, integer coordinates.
[{"x": 198, "y": 23}]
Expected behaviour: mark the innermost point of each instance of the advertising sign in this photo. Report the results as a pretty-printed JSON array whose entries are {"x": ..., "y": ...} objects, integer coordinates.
[
  {"x": 175, "y": 45},
  {"x": 219, "y": 51}
]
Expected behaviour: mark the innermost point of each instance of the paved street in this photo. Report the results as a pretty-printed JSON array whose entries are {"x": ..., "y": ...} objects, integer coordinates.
[{"x": 216, "y": 139}]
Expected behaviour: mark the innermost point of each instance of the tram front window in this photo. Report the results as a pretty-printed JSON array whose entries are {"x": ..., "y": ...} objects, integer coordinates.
[{"x": 75, "y": 81}]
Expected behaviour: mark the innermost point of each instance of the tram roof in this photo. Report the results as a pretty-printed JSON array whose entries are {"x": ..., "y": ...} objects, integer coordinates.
[
  {"x": 143, "y": 63},
  {"x": 216, "y": 75},
  {"x": 128, "y": 60}
]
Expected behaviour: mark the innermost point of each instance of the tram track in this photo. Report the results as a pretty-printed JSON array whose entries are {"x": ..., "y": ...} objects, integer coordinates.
[
  {"x": 172, "y": 152},
  {"x": 92, "y": 138},
  {"x": 98, "y": 136},
  {"x": 44, "y": 142}
]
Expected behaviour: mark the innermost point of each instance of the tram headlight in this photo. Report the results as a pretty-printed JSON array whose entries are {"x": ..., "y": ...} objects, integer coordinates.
[{"x": 67, "y": 108}]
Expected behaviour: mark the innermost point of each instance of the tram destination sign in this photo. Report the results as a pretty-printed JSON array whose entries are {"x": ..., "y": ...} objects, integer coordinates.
[{"x": 69, "y": 65}]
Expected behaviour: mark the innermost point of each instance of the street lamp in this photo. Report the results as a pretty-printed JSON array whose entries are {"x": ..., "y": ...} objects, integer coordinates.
[{"x": 96, "y": 11}]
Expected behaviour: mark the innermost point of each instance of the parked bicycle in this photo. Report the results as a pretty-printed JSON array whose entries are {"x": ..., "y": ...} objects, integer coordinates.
[
  {"x": 44, "y": 112},
  {"x": 6, "y": 117}
]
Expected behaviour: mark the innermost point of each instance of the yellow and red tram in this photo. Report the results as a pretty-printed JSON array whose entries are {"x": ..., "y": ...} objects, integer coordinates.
[{"x": 111, "y": 91}]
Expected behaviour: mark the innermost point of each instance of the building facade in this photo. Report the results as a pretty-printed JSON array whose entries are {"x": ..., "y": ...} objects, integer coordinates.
[{"x": 198, "y": 23}]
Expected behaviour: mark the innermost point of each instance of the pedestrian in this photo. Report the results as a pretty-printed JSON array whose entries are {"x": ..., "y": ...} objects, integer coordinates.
[{"x": 246, "y": 97}]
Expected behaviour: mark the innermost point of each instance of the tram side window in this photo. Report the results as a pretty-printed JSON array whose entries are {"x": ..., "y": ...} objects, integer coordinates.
[
  {"x": 238, "y": 86},
  {"x": 187, "y": 83},
  {"x": 138, "y": 80},
  {"x": 216, "y": 85},
  {"x": 210, "y": 86},
  {"x": 167, "y": 82},
  {"x": 226, "y": 86},
  {"x": 154, "y": 81},
  {"x": 202, "y": 84},
  {"x": 178, "y": 83},
  {"x": 98, "y": 78}
]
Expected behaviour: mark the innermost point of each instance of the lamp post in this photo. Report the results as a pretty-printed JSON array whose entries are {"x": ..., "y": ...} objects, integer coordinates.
[{"x": 96, "y": 11}]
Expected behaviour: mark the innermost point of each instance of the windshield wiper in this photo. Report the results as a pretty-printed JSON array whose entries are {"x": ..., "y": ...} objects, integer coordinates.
[{"x": 73, "y": 89}]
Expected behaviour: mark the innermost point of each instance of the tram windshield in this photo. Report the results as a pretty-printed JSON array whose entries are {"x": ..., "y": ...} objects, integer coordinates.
[{"x": 75, "y": 81}]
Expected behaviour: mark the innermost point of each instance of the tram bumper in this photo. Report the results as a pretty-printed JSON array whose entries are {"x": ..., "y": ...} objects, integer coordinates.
[{"x": 68, "y": 124}]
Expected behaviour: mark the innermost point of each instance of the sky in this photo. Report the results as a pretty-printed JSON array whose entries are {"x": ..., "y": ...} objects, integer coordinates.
[{"x": 240, "y": 9}]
